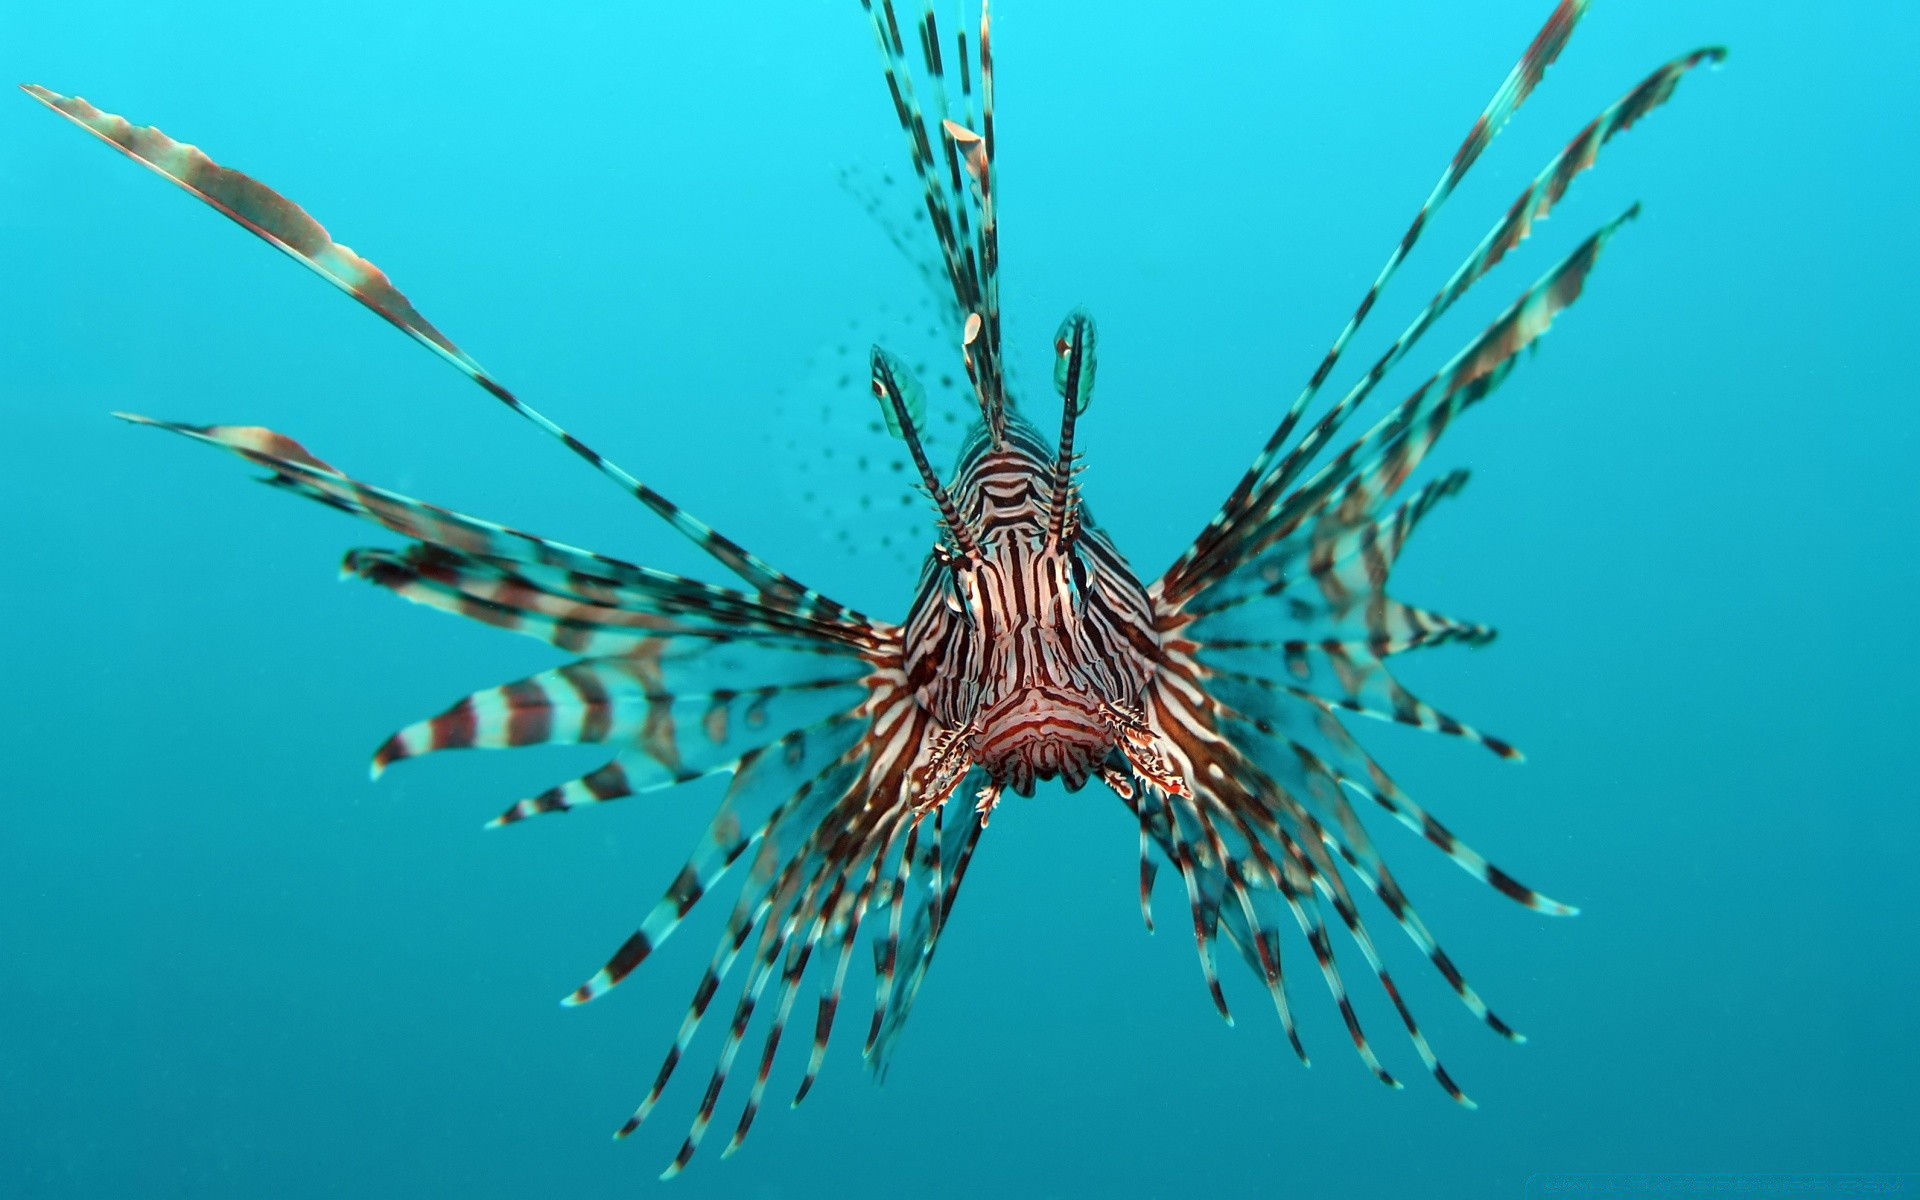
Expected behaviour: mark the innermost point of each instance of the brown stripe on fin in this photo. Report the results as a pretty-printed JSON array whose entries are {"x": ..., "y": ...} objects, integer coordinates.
[{"x": 263, "y": 212}]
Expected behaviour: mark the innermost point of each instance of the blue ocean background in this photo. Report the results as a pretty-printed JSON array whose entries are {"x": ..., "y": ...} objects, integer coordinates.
[{"x": 230, "y": 966}]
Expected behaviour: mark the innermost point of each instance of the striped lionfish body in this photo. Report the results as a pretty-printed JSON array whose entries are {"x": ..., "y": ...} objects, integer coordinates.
[
  {"x": 863, "y": 758},
  {"x": 1031, "y": 643}
]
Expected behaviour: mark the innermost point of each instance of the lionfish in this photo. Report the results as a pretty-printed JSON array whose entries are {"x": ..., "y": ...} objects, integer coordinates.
[{"x": 864, "y": 758}]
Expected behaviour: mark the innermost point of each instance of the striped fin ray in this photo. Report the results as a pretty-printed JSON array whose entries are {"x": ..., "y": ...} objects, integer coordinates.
[
  {"x": 886, "y": 947},
  {"x": 1376, "y": 464},
  {"x": 1316, "y": 762},
  {"x": 577, "y": 612},
  {"x": 1343, "y": 630},
  {"x": 600, "y": 701},
  {"x": 957, "y": 180},
  {"x": 265, "y": 213},
  {"x": 1424, "y": 630},
  {"x": 1262, "y": 740},
  {"x": 579, "y": 628},
  {"x": 845, "y": 850},
  {"x": 1407, "y": 434},
  {"x": 297, "y": 469},
  {"x": 818, "y": 860},
  {"x": 1313, "y": 758},
  {"x": 1202, "y": 871},
  {"x": 1333, "y": 890},
  {"x": 1381, "y": 789},
  {"x": 1271, "y": 474},
  {"x": 1293, "y": 807},
  {"x": 1152, "y": 817},
  {"x": 798, "y": 954},
  {"x": 945, "y": 202},
  {"x": 1533, "y": 205},
  {"x": 1309, "y": 883},
  {"x": 288, "y": 227},
  {"x": 1243, "y": 866},
  {"x": 1170, "y": 826},
  {"x": 776, "y": 801},
  {"x": 924, "y": 907},
  {"x": 763, "y": 810},
  {"x": 1336, "y": 675},
  {"x": 1306, "y": 834},
  {"x": 839, "y": 918},
  {"x": 667, "y": 738},
  {"x": 1513, "y": 92},
  {"x": 1344, "y": 556},
  {"x": 1277, "y": 865},
  {"x": 1298, "y": 882},
  {"x": 847, "y": 935},
  {"x": 1297, "y": 876},
  {"x": 747, "y": 913},
  {"x": 795, "y": 899},
  {"x": 518, "y": 566},
  {"x": 919, "y": 879}
]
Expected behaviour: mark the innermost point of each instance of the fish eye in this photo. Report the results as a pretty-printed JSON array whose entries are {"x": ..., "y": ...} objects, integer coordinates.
[
  {"x": 1077, "y": 577},
  {"x": 951, "y": 592}
]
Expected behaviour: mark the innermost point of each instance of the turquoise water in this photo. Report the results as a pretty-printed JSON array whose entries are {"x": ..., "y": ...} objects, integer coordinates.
[{"x": 232, "y": 967}]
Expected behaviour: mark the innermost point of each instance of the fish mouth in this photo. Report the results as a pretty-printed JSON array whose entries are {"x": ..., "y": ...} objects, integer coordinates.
[{"x": 1043, "y": 735}]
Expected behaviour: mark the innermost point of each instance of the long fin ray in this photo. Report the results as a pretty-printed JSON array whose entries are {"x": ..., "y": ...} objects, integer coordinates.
[
  {"x": 1512, "y": 93},
  {"x": 458, "y": 550},
  {"x": 1375, "y": 465},
  {"x": 1533, "y": 205},
  {"x": 1271, "y": 473},
  {"x": 287, "y": 227}
]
